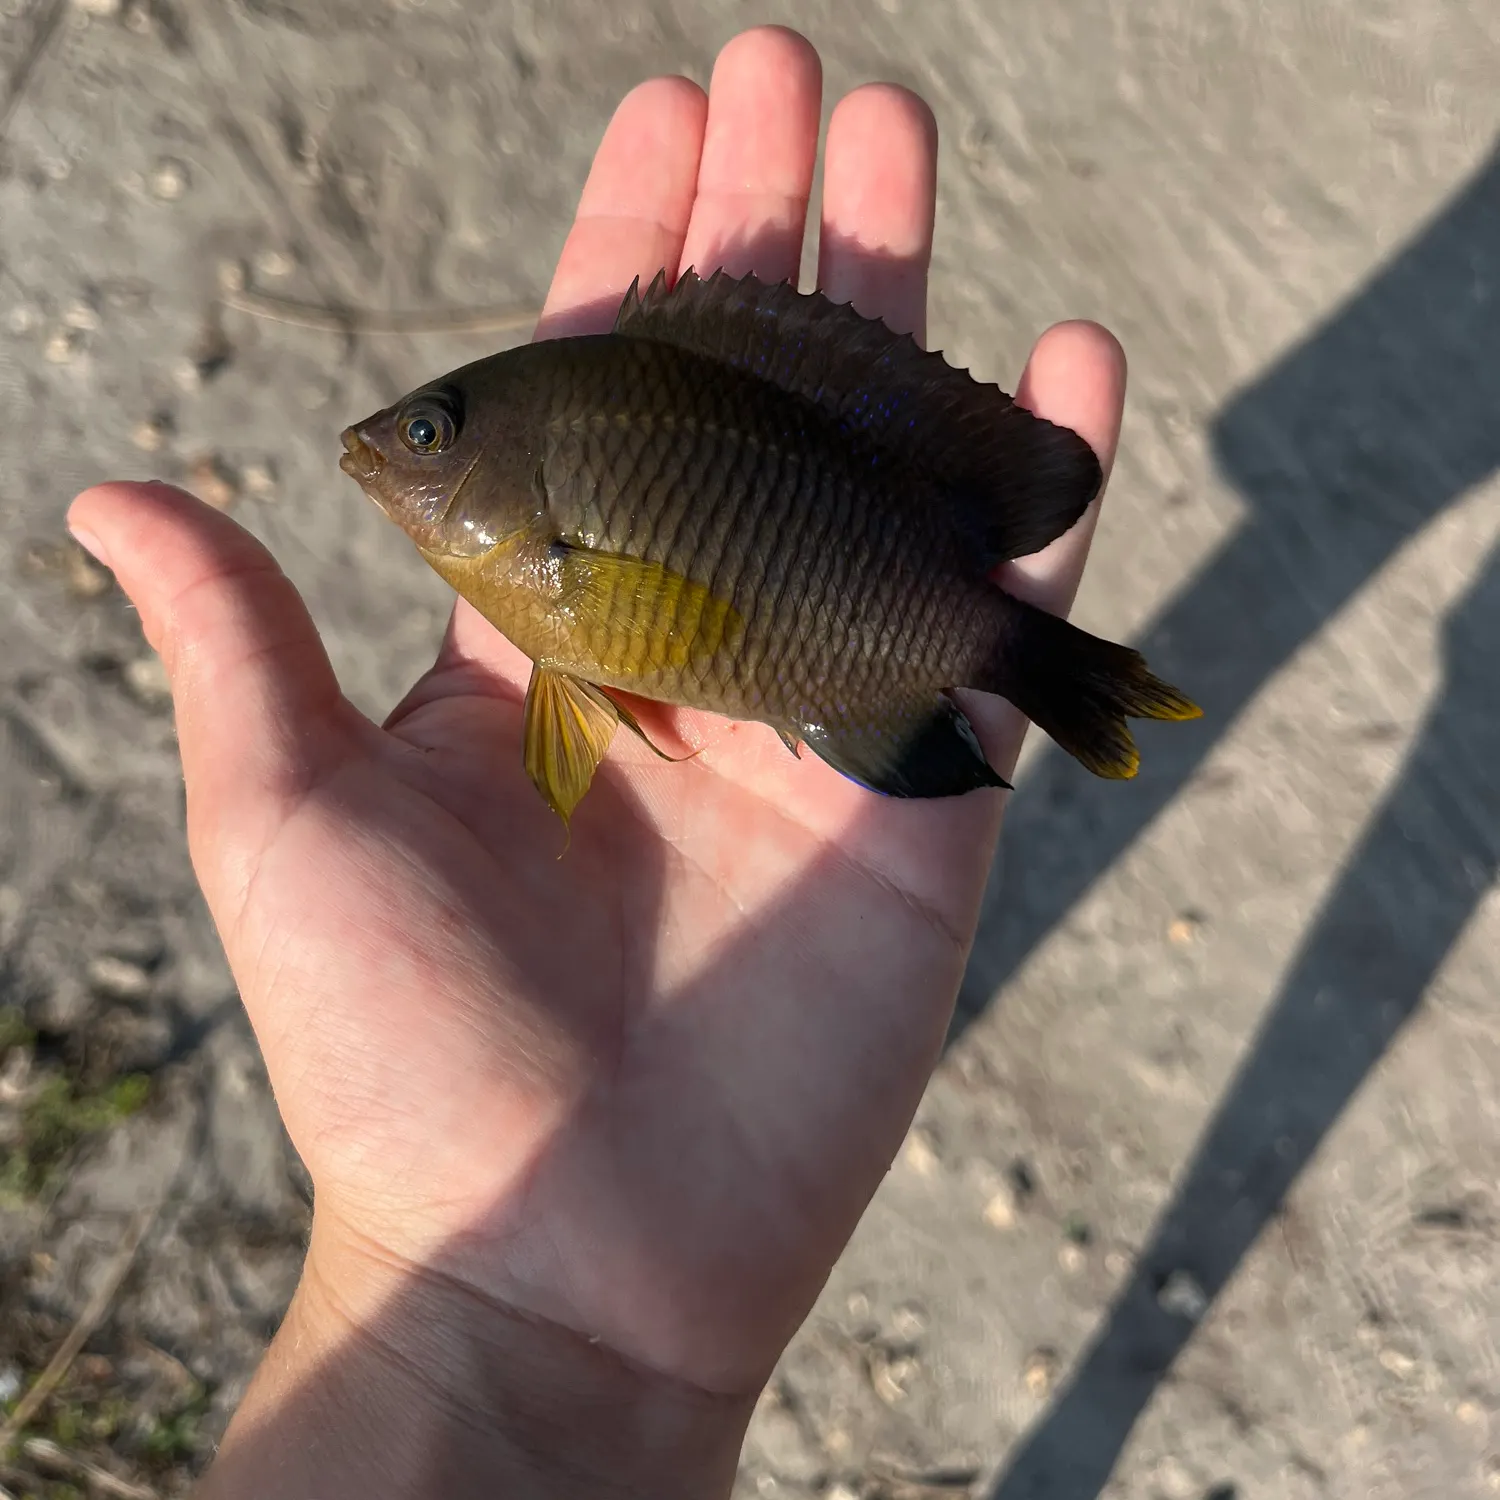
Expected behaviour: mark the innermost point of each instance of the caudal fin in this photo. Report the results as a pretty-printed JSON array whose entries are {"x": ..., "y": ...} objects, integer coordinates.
[{"x": 1078, "y": 688}]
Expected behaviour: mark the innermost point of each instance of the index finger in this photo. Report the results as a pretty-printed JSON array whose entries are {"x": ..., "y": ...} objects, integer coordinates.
[
  {"x": 632, "y": 219},
  {"x": 633, "y": 213}
]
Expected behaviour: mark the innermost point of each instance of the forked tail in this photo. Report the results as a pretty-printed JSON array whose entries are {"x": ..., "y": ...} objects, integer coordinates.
[{"x": 1078, "y": 688}]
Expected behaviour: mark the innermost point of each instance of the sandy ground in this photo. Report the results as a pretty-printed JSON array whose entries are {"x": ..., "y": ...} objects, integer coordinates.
[{"x": 1202, "y": 1202}]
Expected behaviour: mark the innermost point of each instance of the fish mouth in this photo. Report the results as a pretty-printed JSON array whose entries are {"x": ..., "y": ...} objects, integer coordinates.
[{"x": 360, "y": 460}]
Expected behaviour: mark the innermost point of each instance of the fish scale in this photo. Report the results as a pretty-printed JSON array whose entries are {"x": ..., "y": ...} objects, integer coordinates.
[
  {"x": 760, "y": 499},
  {"x": 755, "y": 501}
]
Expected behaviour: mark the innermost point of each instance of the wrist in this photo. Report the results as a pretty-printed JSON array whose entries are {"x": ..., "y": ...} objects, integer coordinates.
[{"x": 395, "y": 1380}]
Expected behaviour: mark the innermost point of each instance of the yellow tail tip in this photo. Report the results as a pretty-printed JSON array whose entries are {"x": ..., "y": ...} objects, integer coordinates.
[
  {"x": 1182, "y": 711},
  {"x": 1118, "y": 763}
]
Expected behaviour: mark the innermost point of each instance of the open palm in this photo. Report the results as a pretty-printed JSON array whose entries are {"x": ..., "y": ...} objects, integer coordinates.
[{"x": 643, "y": 1091}]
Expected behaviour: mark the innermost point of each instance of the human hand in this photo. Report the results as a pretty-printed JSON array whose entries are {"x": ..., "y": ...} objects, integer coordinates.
[{"x": 641, "y": 1094}]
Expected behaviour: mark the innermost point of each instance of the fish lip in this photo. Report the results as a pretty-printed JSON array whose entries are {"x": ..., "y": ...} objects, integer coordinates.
[{"x": 361, "y": 460}]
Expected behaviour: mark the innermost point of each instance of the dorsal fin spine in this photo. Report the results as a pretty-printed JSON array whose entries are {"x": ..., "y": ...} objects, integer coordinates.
[{"x": 1014, "y": 480}]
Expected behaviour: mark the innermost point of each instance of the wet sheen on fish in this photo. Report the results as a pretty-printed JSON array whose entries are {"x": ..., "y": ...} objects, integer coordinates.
[{"x": 755, "y": 501}]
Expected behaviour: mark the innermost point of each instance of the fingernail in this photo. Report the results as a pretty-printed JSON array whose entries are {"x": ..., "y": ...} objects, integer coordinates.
[{"x": 90, "y": 544}]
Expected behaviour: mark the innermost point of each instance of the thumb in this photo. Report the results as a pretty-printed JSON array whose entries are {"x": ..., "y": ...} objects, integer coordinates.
[{"x": 260, "y": 718}]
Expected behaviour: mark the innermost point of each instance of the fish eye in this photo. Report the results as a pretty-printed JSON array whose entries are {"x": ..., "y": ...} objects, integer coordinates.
[{"x": 429, "y": 424}]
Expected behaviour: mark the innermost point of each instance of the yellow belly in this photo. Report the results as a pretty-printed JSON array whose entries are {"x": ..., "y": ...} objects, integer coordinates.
[{"x": 602, "y": 616}]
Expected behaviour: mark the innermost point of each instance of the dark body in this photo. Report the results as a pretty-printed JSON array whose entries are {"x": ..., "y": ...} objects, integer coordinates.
[{"x": 853, "y": 587}]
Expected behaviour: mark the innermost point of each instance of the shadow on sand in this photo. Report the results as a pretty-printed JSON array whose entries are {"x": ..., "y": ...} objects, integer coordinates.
[{"x": 1343, "y": 450}]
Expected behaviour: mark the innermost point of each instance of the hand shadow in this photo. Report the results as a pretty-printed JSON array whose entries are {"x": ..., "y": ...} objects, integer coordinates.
[{"x": 1346, "y": 448}]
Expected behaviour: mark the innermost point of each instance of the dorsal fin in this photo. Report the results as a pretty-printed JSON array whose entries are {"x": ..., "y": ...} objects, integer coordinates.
[{"x": 1017, "y": 481}]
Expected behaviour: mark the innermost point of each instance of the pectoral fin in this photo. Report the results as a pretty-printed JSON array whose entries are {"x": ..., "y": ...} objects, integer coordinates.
[
  {"x": 647, "y": 616},
  {"x": 569, "y": 724}
]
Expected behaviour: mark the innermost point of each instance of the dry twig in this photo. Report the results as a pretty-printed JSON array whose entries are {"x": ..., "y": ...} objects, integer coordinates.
[
  {"x": 355, "y": 320},
  {"x": 88, "y": 1320},
  {"x": 947, "y": 1478},
  {"x": 47, "y": 1455}
]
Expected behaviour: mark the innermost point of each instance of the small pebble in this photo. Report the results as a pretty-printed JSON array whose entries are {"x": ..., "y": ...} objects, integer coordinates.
[
  {"x": 84, "y": 577},
  {"x": 118, "y": 978},
  {"x": 1397, "y": 1361},
  {"x": 1173, "y": 1482},
  {"x": 274, "y": 264},
  {"x": 1492, "y": 1473},
  {"x": 259, "y": 480},
  {"x": 1039, "y": 1372},
  {"x": 21, "y": 319},
  {"x": 1182, "y": 1297},
  {"x": 766, "y": 1485},
  {"x": 892, "y": 1378},
  {"x": 1470, "y": 1413},
  {"x": 1000, "y": 1211},
  {"x": 62, "y": 346},
  {"x": 909, "y": 1320},
  {"x": 98, "y": 7},
  {"x": 858, "y": 1305},
  {"x": 167, "y": 180},
  {"x": 185, "y": 374},
  {"x": 1184, "y": 930},
  {"x": 1003, "y": 1205},
  {"x": 840, "y": 1492},
  {"x": 82, "y": 317},
  {"x": 146, "y": 678},
  {"x": 919, "y": 1155},
  {"x": 232, "y": 276},
  {"x": 150, "y": 436},
  {"x": 214, "y": 481},
  {"x": 1071, "y": 1257}
]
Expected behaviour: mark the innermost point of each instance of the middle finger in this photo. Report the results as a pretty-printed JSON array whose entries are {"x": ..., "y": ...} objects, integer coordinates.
[{"x": 759, "y": 150}]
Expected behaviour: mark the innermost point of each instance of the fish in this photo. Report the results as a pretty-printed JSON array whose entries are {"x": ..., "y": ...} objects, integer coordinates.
[{"x": 754, "y": 500}]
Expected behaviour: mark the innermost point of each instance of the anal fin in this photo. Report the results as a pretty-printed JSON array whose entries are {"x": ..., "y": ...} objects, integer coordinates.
[
  {"x": 930, "y": 750},
  {"x": 569, "y": 726}
]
